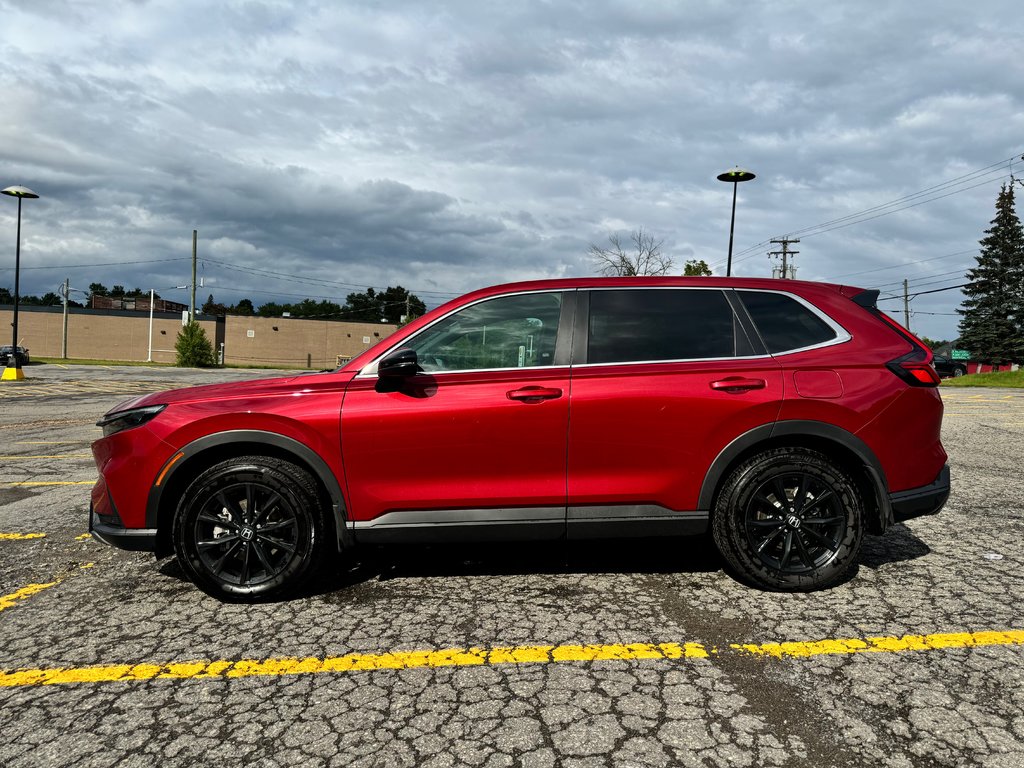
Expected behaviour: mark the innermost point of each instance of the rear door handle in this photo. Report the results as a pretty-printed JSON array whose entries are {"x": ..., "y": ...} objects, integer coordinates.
[
  {"x": 738, "y": 384},
  {"x": 534, "y": 394}
]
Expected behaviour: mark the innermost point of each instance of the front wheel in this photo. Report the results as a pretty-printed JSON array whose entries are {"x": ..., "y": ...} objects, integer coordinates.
[
  {"x": 789, "y": 520},
  {"x": 959, "y": 371},
  {"x": 250, "y": 529}
]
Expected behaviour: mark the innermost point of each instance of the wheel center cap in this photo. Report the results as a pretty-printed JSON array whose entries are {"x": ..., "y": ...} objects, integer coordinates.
[
  {"x": 793, "y": 521},
  {"x": 247, "y": 534}
]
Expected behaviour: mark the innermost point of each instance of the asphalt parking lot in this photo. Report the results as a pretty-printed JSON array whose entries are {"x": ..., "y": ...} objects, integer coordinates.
[{"x": 558, "y": 655}]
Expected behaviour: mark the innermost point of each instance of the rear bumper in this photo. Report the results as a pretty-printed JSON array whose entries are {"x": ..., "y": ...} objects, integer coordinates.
[
  {"x": 926, "y": 500},
  {"x": 132, "y": 539}
]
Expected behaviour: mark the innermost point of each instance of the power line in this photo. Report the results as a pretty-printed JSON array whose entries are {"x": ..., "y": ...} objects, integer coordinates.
[
  {"x": 903, "y": 264},
  {"x": 994, "y": 171}
]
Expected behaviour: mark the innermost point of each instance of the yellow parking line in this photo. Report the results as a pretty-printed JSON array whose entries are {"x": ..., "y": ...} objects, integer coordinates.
[
  {"x": 24, "y": 593},
  {"x": 48, "y": 456},
  {"x": 49, "y": 482},
  {"x": 467, "y": 657},
  {"x": 9, "y": 601},
  {"x": 20, "y": 536},
  {"x": 51, "y": 442}
]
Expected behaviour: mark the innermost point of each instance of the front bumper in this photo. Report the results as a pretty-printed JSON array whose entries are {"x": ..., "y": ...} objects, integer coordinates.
[
  {"x": 926, "y": 500},
  {"x": 132, "y": 539}
]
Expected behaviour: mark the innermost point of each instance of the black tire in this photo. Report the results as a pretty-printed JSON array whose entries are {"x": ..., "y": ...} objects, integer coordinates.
[
  {"x": 250, "y": 529},
  {"x": 789, "y": 520},
  {"x": 959, "y": 371}
]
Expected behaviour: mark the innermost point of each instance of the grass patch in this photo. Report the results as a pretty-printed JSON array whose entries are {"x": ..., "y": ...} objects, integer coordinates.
[{"x": 1009, "y": 379}]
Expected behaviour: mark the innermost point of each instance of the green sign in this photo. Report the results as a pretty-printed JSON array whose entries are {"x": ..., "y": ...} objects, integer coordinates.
[{"x": 960, "y": 354}]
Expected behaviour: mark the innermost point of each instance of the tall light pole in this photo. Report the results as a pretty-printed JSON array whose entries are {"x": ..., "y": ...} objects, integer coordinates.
[
  {"x": 13, "y": 370},
  {"x": 735, "y": 175}
]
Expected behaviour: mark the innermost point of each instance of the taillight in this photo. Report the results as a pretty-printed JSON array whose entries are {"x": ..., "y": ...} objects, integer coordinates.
[{"x": 915, "y": 368}]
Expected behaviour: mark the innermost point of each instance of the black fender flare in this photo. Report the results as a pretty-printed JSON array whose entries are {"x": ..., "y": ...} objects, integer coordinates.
[
  {"x": 803, "y": 428},
  {"x": 303, "y": 452}
]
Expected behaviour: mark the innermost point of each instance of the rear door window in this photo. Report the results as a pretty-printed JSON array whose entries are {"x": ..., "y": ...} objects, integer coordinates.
[
  {"x": 784, "y": 323},
  {"x": 636, "y": 325}
]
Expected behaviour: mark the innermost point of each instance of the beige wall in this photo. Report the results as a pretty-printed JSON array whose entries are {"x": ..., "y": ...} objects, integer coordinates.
[
  {"x": 292, "y": 342},
  {"x": 112, "y": 335}
]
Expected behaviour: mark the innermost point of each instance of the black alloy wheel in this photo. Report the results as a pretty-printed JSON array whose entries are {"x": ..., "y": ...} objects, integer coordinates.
[
  {"x": 250, "y": 529},
  {"x": 789, "y": 519},
  {"x": 795, "y": 523}
]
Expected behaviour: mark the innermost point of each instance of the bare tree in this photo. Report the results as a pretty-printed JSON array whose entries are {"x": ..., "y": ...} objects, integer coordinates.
[{"x": 644, "y": 258}]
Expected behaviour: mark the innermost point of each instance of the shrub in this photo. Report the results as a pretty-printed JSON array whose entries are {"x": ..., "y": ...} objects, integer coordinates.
[{"x": 193, "y": 348}]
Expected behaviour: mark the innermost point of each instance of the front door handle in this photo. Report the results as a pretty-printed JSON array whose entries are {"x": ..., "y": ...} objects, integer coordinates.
[
  {"x": 534, "y": 394},
  {"x": 736, "y": 384}
]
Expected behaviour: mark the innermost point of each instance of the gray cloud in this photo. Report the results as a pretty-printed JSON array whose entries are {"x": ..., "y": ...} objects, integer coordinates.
[{"x": 453, "y": 145}]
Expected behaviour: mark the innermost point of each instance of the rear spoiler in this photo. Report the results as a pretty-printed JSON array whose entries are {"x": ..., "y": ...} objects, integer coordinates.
[{"x": 866, "y": 298}]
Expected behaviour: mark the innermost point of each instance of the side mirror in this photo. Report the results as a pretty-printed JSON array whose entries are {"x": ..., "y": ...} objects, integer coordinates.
[{"x": 399, "y": 364}]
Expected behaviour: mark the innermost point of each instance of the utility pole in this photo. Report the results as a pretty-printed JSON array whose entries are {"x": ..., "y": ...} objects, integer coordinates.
[
  {"x": 64, "y": 291},
  {"x": 788, "y": 272},
  {"x": 906, "y": 307},
  {"x": 192, "y": 303}
]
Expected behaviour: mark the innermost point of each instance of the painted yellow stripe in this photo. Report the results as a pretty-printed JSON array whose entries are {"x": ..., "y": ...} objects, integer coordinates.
[
  {"x": 50, "y": 456},
  {"x": 51, "y": 482},
  {"x": 8, "y": 601},
  {"x": 20, "y": 536},
  {"x": 51, "y": 442},
  {"x": 885, "y": 644},
  {"x": 461, "y": 657}
]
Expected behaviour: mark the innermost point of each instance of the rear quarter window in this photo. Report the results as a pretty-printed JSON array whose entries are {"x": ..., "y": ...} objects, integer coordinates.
[{"x": 784, "y": 323}]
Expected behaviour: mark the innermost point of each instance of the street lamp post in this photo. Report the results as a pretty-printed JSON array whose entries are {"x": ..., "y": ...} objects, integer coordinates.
[
  {"x": 735, "y": 175},
  {"x": 13, "y": 370}
]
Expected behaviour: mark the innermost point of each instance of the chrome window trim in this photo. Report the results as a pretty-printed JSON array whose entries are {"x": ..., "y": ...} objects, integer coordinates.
[
  {"x": 369, "y": 370},
  {"x": 842, "y": 335},
  {"x": 674, "y": 361}
]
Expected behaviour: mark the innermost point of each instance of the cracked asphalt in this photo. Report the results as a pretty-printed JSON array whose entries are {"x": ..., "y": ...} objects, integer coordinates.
[{"x": 532, "y": 655}]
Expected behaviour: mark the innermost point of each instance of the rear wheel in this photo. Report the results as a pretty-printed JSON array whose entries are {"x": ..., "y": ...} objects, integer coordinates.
[
  {"x": 250, "y": 528},
  {"x": 789, "y": 519},
  {"x": 959, "y": 371}
]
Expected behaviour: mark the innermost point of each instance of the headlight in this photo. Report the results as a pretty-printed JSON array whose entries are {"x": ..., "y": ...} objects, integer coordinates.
[{"x": 113, "y": 423}]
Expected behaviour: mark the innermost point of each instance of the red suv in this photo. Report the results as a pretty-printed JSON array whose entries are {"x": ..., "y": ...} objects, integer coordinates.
[{"x": 788, "y": 418}]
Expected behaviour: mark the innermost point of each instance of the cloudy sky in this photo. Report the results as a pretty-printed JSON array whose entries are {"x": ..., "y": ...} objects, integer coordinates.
[{"x": 323, "y": 147}]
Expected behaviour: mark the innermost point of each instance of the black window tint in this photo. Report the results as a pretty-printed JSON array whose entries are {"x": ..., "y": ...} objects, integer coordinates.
[
  {"x": 506, "y": 332},
  {"x": 785, "y": 323},
  {"x": 676, "y": 324}
]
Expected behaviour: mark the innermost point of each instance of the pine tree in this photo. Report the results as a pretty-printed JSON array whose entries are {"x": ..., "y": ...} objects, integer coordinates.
[
  {"x": 193, "y": 347},
  {"x": 992, "y": 327}
]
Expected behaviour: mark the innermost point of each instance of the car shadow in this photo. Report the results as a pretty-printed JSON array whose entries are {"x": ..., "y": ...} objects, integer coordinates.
[
  {"x": 897, "y": 545},
  {"x": 695, "y": 554},
  {"x": 688, "y": 555}
]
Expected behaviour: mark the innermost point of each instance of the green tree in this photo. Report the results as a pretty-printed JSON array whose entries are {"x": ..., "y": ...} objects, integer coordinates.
[
  {"x": 273, "y": 309},
  {"x": 934, "y": 343},
  {"x": 389, "y": 305},
  {"x": 243, "y": 307},
  {"x": 211, "y": 307},
  {"x": 117, "y": 292},
  {"x": 98, "y": 289},
  {"x": 992, "y": 324},
  {"x": 193, "y": 348},
  {"x": 397, "y": 302},
  {"x": 363, "y": 307},
  {"x": 696, "y": 268}
]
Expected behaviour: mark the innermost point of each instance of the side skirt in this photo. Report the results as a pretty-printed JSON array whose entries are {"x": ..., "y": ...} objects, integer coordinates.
[{"x": 529, "y": 524}]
